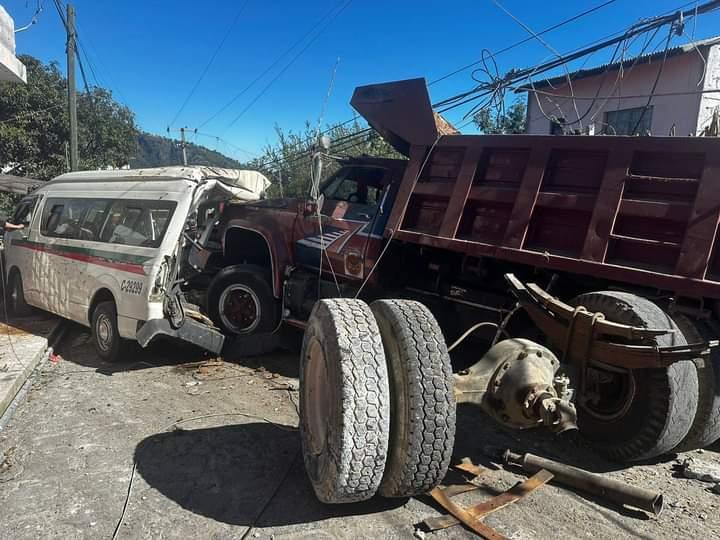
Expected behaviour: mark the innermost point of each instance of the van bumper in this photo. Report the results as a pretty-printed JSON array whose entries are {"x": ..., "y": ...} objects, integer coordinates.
[{"x": 191, "y": 331}]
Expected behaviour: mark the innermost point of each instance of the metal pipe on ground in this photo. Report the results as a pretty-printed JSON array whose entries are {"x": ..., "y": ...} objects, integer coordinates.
[{"x": 594, "y": 484}]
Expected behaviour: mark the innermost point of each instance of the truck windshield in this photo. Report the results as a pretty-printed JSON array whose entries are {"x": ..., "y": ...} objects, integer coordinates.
[{"x": 356, "y": 185}]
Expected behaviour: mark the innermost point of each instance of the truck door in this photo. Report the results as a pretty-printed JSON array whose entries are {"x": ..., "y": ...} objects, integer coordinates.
[{"x": 346, "y": 227}]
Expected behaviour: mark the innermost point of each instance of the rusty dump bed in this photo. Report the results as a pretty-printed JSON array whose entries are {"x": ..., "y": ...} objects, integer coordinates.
[
  {"x": 638, "y": 209},
  {"x": 642, "y": 210}
]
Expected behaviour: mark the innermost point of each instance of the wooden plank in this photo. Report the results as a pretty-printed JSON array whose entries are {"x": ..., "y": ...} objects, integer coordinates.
[
  {"x": 607, "y": 204},
  {"x": 412, "y": 173},
  {"x": 464, "y": 181},
  {"x": 526, "y": 197},
  {"x": 697, "y": 246}
]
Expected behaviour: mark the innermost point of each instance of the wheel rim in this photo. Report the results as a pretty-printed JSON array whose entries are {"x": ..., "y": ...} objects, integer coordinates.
[
  {"x": 611, "y": 393},
  {"x": 239, "y": 309},
  {"x": 104, "y": 332},
  {"x": 316, "y": 399}
]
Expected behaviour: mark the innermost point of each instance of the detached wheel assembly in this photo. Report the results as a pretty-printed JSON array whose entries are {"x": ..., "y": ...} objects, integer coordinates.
[
  {"x": 637, "y": 414},
  {"x": 422, "y": 421},
  {"x": 344, "y": 401}
]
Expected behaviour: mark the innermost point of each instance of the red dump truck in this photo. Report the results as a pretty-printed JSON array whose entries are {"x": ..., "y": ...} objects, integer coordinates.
[{"x": 577, "y": 280}]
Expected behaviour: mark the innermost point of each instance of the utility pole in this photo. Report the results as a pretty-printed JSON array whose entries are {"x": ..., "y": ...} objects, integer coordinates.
[
  {"x": 72, "y": 88},
  {"x": 183, "y": 141},
  {"x": 182, "y": 145}
]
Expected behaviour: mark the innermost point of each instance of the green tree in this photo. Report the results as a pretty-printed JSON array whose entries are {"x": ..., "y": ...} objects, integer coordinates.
[
  {"x": 512, "y": 121},
  {"x": 34, "y": 125},
  {"x": 288, "y": 162}
]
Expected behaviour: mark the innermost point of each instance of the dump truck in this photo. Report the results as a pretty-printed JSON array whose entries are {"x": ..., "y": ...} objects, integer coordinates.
[{"x": 565, "y": 282}]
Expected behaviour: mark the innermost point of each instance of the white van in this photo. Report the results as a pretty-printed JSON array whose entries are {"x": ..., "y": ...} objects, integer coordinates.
[{"x": 104, "y": 248}]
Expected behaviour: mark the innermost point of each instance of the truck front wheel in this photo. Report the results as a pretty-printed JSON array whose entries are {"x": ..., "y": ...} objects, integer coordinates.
[
  {"x": 637, "y": 414},
  {"x": 240, "y": 300}
]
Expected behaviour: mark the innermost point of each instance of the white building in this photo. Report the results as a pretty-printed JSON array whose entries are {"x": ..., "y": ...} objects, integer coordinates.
[
  {"x": 11, "y": 69},
  {"x": 613, "y": 99}
]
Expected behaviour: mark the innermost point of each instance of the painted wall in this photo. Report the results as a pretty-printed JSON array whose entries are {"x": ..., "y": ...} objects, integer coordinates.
[{"x": 682, "y": 73}]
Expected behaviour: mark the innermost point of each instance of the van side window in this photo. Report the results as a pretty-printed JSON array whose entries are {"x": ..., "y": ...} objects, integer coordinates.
[
  {"x": 24, "y": 211},
  {"x": 137, "y": 223},
  {"x": 62, "y": 217},
  {"x": 97, "y": 212}
]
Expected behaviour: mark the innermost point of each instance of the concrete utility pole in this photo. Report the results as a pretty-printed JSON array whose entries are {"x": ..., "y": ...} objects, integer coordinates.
[
  {"x": 72, "y": 89},
  {"x": 183, "y": 141},
  {"x": 182, "y": 145}
]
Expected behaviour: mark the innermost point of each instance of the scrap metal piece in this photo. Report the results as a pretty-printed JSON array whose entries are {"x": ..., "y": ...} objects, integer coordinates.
[
  {"x": 582, "y": 335},
  {"x": 462, "y": 514},
  {"x": 512, "y": 495},
  {"x": 594, "y": 484}
]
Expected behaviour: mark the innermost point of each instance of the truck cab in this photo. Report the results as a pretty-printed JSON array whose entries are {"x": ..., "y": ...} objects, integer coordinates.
[{"x": 266, "y": 261}]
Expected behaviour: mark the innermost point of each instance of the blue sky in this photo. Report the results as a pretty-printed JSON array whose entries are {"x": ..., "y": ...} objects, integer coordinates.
[{"x": 150, "y": 53}]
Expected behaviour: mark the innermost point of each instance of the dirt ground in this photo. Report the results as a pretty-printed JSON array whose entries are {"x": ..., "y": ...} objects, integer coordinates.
[{"x": 217, "y": 456}]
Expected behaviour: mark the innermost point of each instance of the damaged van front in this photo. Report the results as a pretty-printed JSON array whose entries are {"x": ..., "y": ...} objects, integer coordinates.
[{"x": 108, "y": 249}]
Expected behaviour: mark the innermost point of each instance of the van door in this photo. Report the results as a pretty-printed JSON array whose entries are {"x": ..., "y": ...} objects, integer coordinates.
[
  {"x": 19, "y": 245},
  {"x": 61, "y": 265}
]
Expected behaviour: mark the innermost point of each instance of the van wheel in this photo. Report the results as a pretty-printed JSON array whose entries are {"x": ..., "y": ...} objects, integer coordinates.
[
  {"x": 637, "y": 414},
  {"x": 241, "y": 301},
  {"x": 18, "y": 306},
  {"x": 106, "y": 337}
]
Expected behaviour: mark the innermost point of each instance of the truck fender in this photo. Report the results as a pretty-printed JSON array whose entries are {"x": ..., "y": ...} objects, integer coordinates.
[{"x": 274, "y": 243}]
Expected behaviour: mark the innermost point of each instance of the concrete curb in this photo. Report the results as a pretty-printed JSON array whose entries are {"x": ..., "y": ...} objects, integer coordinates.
[{"x": 43, "y": 349}]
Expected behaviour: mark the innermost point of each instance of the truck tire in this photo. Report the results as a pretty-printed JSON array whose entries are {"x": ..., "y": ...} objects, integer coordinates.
[
  {"x": 240, "y": 300},
  {"x": 422, "y": 399},
  {"x": 344, "y": 401},
  {"x": 705, "y": 429},
  {"x": 637, "y": 414},
  {"x": 18, "y": 306},
  {"x": 105, "y": 335}
]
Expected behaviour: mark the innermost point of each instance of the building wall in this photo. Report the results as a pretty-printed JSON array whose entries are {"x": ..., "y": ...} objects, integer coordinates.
[
  {"x": 709, "y": 102},
  {"x": 682, "y": 73}
]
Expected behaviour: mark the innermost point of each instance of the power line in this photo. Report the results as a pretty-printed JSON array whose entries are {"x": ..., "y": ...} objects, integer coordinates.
[
  {"x": 636, "y": 29},
  {"x": 523, "y": 41},
  {"x": 289, "y": 64},
  {"x": 492, "y": 55},
  {"x": 210, "y": 62},
  {"x": 484, "y": 89},
  {"x": 269, "y": 68}
]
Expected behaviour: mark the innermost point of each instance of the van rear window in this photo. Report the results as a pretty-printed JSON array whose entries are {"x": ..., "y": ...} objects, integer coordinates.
[{"x": 130, "y": 222}]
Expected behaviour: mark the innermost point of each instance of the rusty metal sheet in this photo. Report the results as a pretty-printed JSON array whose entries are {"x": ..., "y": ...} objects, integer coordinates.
[
  {"x": 462, "y": 515},
  {"x": 477, "y": 512}
]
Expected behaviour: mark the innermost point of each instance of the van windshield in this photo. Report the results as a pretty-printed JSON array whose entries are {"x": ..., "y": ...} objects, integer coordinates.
[{"x": 131, "y": 222}]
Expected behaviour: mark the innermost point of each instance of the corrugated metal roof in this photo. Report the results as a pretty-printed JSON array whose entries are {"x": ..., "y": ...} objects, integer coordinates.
[{"x": 643, "y": 59}]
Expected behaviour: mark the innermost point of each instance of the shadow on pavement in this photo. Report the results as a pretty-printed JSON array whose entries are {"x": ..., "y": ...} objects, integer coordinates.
[{"x": 233, "y": 474}]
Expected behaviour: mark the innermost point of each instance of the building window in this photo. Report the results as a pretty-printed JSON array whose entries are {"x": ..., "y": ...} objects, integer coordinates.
[{"x": 628, "y": 121}]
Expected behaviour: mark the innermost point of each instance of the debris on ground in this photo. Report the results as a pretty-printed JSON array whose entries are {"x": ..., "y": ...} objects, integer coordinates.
[
  {"x": 699, "y": 469},
  {"x": 54, "y": 357},
  {"x": 472, "y": 516},
  {"x": 598, "y": 485}
]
